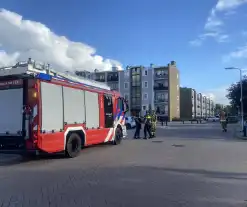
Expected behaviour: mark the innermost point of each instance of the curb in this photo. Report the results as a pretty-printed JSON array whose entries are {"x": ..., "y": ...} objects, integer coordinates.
[{"x": 181, "y": 123}]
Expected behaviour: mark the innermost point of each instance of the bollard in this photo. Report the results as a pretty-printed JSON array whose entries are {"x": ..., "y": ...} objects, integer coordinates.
[{"x": 166, "y": 123}]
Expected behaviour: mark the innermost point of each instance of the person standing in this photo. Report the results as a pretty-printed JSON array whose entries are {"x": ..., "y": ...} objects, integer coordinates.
[
  {"x": 223, "y": 121},
  {"x": 153, "y": 124},
  {"x": 147, "y": 125},
  {"x": 138, "y": 127}
]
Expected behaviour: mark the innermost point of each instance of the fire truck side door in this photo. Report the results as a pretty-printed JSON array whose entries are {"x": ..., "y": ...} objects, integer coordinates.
[{"x": 108, "y": 107}]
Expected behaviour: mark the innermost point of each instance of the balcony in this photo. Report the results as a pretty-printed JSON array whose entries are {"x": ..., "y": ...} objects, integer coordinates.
[
  {"x": 136, "y": 85},
  {"x": 160, "y": 100},
  {"x": 160, "y": 87},
  {"x": 100, "y": 79},
  {"x": 161, "y": 76},
  {"x": 112, "y": 77}
]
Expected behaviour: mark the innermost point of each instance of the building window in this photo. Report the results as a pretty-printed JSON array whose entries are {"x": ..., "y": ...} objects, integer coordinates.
[
  {"x": 144, "y": 107},
  {"x": 126, "y": 85},
  {"x": 126, "y": 96},
  {"x": 126, "y": 73},
  {"x": 145, "y": 96},
  {"x": 145, "y": 72},
  {"x": 145, "y": 84}
]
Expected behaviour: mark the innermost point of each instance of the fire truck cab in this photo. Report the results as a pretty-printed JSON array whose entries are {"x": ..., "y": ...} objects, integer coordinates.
[{"x": 44, "y": 111}]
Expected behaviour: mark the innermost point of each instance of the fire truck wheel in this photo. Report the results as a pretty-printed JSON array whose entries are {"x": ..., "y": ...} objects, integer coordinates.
[
  {"x": 118, "y": 136},
  {"x": 73, "y": 145}
]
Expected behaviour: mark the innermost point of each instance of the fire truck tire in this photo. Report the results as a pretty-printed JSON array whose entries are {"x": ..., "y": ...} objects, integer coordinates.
[
  {"x": 73, "y": 145},
  {"x": 118, "y": 136}
]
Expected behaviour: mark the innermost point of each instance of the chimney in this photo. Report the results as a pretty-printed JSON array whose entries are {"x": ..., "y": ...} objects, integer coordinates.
[{"x": 173, "y": 63}]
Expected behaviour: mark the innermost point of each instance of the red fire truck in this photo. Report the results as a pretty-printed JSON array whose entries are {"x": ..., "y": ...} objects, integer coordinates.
[{"x": 45, "y": 111}]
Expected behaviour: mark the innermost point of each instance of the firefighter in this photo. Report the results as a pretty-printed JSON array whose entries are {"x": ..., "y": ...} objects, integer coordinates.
[
  {"x": 147, "y": 125},
  {"x": 138, "y": 122},
  {"x": 223, "y": 121},
  {"x": 153, "y": 123}
]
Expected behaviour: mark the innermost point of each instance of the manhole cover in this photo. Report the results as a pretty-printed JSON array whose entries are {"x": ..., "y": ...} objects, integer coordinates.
[
  {"x": 178, "y": 145},
  {"x": 157, "y": 141}
]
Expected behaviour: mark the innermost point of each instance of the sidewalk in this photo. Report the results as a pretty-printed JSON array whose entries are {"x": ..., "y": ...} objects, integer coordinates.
[{"x": 238, "y": 133}]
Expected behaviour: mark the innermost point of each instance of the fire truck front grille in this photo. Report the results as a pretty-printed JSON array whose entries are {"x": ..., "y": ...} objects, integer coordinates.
[{"x": 11, "y": 143}]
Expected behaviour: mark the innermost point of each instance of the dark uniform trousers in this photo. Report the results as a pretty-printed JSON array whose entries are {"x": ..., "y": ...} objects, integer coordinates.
[{"x": 147, "y": 127}]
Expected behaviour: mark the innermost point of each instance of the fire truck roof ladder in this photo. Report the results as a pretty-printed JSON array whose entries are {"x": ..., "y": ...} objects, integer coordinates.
[{"x": 36, "y": 69}]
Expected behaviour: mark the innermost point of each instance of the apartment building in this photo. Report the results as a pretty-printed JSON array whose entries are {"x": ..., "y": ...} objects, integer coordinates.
[
  {"x": 204, "y": 99},
  {"x": 194, "y": 105},
  {"x": 136, "y": 85},
  {"x": 188, "y": 97},
  {"x": 167, "y": 90},
  {"x": 212, "y": 108},
  {"x": 207, "y": 107},
  {"x": 198, "y": 104},
  {"x": 144, "y": 87},
  {"x": 111, "y": 78}
]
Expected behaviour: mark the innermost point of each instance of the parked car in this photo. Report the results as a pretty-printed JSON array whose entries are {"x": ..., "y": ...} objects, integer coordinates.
[
  {"x": 213, "y": 119},
  {"x": 130, "y": 122}
]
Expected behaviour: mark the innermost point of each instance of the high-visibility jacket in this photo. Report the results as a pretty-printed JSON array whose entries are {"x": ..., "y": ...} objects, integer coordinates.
[
  {"x": 154, "y": 118},
  {"x": 148, "y": 119}
]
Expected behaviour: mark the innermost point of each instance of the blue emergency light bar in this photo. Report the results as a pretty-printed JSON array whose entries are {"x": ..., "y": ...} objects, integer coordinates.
[{"x": 44, "y": 76}]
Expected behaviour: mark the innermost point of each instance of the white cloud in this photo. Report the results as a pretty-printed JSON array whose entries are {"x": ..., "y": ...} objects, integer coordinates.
[
  {"x": 229, "y": 13},
  {"x": 218, "y": 95},
  {"x": 223, "y": 5},
  {"x": 21, "y": 39},
  {"x": 196, "y": 42},
  {"x": 239, "y": 53},
  {"x": 214, "y": 23}
]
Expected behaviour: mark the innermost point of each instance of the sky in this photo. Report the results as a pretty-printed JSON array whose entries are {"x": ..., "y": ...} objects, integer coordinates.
[{"x": 202, "y": 36}]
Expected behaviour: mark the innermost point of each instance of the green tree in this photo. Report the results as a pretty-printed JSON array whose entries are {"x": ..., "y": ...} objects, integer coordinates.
[
  {"x": 230, "y": 110},
  {"x": 234, "y": 95},
  {"x": 218, "y": 108}
]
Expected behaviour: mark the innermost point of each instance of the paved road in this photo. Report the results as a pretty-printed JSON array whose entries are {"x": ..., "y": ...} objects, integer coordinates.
[{"x": 182, "y": 167}]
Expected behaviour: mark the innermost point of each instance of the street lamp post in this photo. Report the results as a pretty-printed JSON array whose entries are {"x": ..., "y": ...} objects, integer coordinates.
[{"x": 241, "y": 94}]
